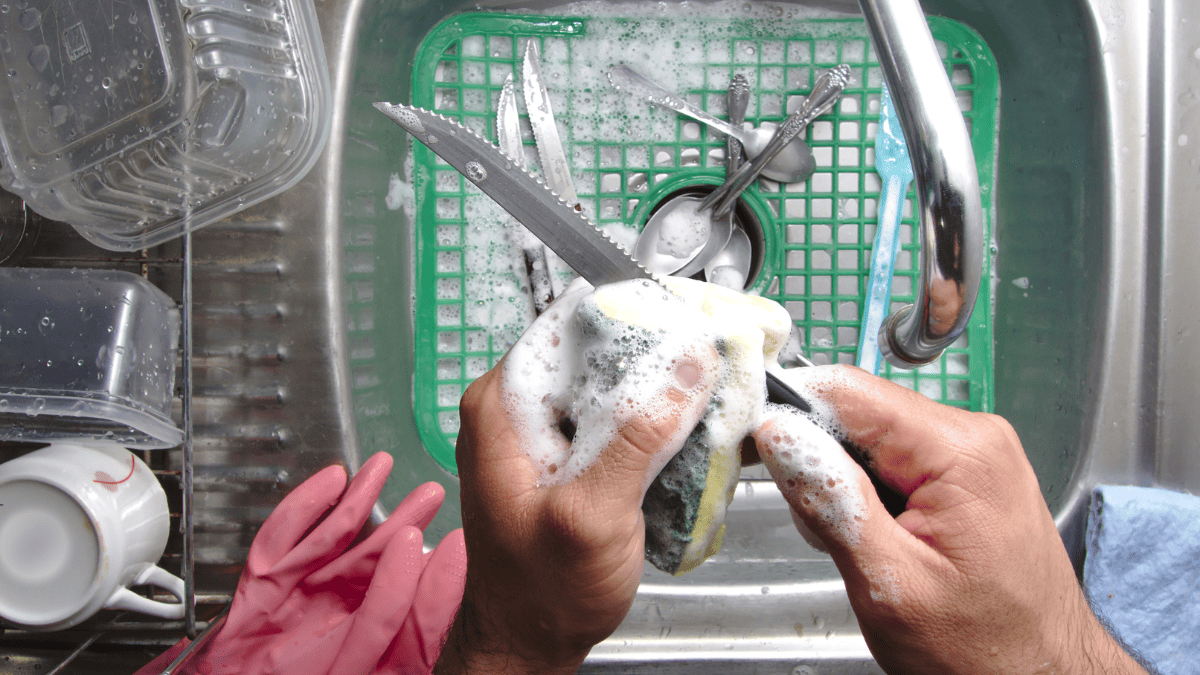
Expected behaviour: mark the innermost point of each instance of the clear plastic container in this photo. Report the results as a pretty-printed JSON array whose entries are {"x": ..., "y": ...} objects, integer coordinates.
[
  {"x": 139, "y": 121},
  {"x": 87, "y": 354}
]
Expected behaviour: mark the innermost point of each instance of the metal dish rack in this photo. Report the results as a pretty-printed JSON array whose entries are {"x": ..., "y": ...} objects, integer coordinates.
[{"x": 174, "y": 467}]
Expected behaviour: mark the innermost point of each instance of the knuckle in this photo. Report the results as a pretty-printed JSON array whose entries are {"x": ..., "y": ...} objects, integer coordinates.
[
  {"x": 998, "y": 431},
  {"x": 645, "y": 436}
]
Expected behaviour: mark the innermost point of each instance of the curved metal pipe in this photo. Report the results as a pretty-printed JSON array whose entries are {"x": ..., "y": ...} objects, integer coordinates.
[{"x": 947, "y": 183}]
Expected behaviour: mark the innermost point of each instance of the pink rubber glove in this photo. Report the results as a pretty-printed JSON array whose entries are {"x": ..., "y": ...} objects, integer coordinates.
[
  {"x": 307, "y": 606},
  {"x": 438, "y": 596}
]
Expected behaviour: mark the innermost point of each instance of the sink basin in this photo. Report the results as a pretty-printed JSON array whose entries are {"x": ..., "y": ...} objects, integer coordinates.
[
  {"x": 1072, "y": 371},
  {"x": 305, "y": 322},
  {"x": 767, "y": 597},
  {"x": 1068, "y": 372}
]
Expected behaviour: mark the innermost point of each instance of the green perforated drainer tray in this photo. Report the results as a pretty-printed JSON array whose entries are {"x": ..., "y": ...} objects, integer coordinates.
[{"x": 625, "y": 156}]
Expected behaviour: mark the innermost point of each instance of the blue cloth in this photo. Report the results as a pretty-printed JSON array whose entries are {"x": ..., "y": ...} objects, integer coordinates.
[{"x": 1142, "y": 571}]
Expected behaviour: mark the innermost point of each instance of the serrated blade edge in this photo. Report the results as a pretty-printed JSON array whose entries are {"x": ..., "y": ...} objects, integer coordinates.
[{"x": 566, "y": 231}]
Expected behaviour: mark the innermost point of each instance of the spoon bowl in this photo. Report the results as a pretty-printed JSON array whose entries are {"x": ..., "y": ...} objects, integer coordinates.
[
  {"x": 794, "y": 164},
  {"x": 676, "y": 232},
  {"x": 731, "y": 266}
]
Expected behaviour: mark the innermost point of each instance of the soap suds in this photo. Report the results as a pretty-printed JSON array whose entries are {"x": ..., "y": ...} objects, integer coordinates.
[
  {"x": 813, "y": 470},
  {"x": 683, "y": 231},
  {"x": 400, "y": 193},
  {"x": 598, "y": 358},
  {"x": 578, "y": 375},
  {"x": 883, "y": 583},
  {"x": 596, "y": 349}
]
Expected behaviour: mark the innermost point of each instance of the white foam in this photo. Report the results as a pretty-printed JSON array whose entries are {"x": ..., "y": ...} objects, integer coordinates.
[
  {"x": 883, "y": 583},
  {"x": 683, "y": 231},
  {"x": 813, "y": 470},
  {"x": 814, "y": 384},
  {"x": 400, "y": 195},
  {"x": 599, "y": 357},
  {"x": 496, "y": 284}
]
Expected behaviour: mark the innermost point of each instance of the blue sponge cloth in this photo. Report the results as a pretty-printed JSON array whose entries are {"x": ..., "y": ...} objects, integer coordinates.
[{"x": 1142, "y": 571}]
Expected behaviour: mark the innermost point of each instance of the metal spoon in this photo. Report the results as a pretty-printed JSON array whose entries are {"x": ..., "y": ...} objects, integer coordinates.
[
  {"x": 825, "y": 94},
  {"x": 794, "y": 162},
  {"x": 676, "y": 233},
  {"x": 731, "y": 266},
  {"x": 737, "y": 98}
]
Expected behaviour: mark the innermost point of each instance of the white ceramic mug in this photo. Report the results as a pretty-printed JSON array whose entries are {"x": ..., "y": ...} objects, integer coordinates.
[{"x": 80, "y": 522}]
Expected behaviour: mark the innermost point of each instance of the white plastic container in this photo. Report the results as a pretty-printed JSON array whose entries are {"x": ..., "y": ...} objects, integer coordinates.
[
  {"x": 139, "y": 121},
  {"x": 87, "y": 354}
]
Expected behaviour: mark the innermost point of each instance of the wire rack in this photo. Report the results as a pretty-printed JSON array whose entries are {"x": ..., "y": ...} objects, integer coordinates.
[{"x": 170, "y": 268}]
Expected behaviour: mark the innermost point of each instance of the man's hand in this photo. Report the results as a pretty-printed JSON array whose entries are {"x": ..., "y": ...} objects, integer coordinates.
[
  {"x": 553, "y": 567},
  {"x": 972, "y": 578}
]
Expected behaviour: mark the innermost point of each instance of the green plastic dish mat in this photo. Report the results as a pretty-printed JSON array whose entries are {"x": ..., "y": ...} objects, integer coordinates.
[{"x": 470, "y": 300}]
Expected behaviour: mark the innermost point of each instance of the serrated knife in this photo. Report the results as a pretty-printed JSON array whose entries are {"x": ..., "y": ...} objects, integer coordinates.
[
  {"x": 566, "y": 231},
  {"x": 545, "y": 131}
]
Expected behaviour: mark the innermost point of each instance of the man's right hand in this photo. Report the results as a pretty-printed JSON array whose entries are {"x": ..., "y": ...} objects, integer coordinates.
[{"x": 972, "y": 577}]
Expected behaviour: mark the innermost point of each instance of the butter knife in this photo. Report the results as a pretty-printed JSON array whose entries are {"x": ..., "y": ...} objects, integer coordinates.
[
  {"x": 508, "y": 132},
  {"x": 545, "y": 132}
]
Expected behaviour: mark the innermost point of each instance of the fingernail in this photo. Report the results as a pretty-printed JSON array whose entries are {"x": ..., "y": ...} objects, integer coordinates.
[{"x": 687, "y": 375}]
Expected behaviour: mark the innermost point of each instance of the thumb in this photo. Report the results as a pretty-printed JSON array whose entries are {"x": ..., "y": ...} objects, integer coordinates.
[
  {"x": 652, "y": 417},
  {"x": 832, "y": 498}
]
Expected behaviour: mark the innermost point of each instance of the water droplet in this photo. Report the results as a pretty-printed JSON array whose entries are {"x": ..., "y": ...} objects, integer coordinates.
[
  {"x": 39, "y": 57},
  {"x": 29, "y": 19},
  {"x": 475, "y": 172}
]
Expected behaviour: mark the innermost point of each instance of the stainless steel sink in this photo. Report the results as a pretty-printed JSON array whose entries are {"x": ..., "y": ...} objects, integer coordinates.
[{"x": 304, "y": 329}]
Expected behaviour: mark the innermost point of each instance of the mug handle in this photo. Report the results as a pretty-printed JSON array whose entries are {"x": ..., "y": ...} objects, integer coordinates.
[{"x": 123, "y": 598}]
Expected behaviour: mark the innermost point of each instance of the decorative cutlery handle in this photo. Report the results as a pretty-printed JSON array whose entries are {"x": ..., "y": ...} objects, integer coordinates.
[{"x": 627, "y": 79}]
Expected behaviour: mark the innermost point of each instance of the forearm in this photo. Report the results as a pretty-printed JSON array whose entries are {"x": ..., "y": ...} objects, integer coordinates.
[{"x": 471, "y": 647}]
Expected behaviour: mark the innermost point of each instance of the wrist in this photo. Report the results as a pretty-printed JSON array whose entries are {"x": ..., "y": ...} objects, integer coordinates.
[
  {"x": 1098, "y": 652},
  {"x": 478, "y": 645}
]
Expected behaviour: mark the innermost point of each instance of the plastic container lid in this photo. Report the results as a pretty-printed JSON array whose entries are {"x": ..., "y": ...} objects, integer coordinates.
[
  {"x": 87, "y": 354},
  {"x": 139, "y": 121}
]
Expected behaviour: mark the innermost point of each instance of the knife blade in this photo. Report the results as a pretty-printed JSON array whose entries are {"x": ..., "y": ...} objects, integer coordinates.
[
  {"x": 508, "y": 133},
  {"x": 545, "y": 131},
  {"x": 508, "y": 124},
  {"x": 566, "y": 231}
]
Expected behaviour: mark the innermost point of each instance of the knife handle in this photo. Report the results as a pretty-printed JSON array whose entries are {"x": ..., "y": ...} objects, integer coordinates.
[{"x": 779, "y": 392}]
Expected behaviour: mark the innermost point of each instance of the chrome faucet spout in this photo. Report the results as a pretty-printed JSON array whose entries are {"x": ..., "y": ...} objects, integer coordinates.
[{"x": 947, "y": 185}]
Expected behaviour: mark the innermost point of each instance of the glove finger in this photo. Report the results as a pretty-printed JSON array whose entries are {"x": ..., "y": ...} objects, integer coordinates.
[
  {"x": 331, "y": 537},
  {"x": 420, "y": 506},
  {"x": 434, "y": 607},
  {"x": 439, "y": 594},
  {"x": 358, "y": 564},
  {"x": 294, "y": 516},
  {"x": 388, "y": 601}
]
